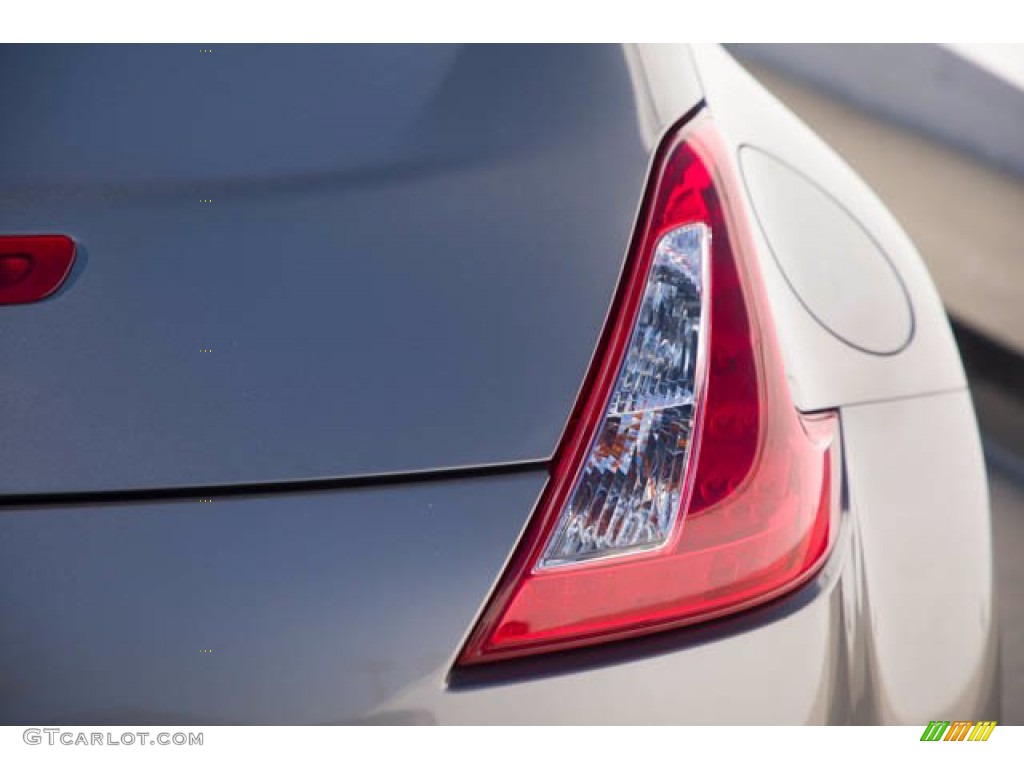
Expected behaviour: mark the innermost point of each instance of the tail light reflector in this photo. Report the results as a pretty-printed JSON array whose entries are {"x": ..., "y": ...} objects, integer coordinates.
[
  {"x": 686, "y": 486},
  {"x": 33, "y": 267}
]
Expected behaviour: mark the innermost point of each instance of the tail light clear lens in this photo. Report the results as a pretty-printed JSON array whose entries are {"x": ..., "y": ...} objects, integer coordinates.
[
  {"x": 628, "y": 494},
  {"x": 687, "y": 486}
]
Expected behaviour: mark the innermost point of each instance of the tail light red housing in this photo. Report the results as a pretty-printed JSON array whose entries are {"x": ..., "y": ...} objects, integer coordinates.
[
  {"x": 32, "y": 267},
  {"x": 758, "y": 509}
]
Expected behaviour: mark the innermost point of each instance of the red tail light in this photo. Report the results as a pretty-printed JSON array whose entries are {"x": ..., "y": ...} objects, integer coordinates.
[
  {"x": 750, "y": 482},
  {"x": 33, "y": 267}
]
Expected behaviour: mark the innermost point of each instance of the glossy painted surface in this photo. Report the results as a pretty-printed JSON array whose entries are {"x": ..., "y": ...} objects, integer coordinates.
[
  {"x": 825, "y": 371},
  {"x": 898, "y": 628},
  {"x": 405, "y": 265},
  {"x": 351, "y": 605},
  {"x": 927, "y": 556},
  {"x": 830, "y": 261},
  {"x": 314, "y": 607},
  {"x": 787, "y": 663}
]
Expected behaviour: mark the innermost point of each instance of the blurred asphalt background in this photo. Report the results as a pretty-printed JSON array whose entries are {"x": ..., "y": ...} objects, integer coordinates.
[{"x": 938, "y": 132}]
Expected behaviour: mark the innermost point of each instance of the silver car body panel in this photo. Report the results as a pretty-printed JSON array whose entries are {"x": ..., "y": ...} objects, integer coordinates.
[
  {"x": 898, "y": 628},
  {"x": 403, "y": 265},
  {"x": 351, "y": 604},
  {"x": 823, "y": 371},
  {"x": 293, "y": 608}
]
